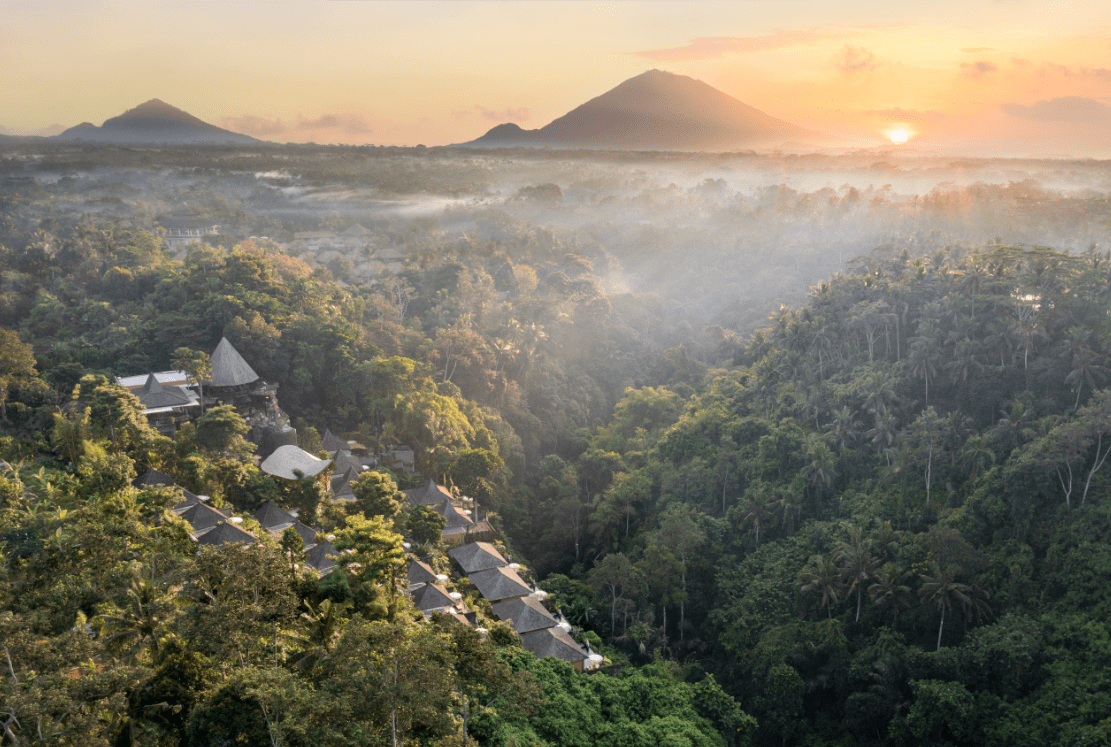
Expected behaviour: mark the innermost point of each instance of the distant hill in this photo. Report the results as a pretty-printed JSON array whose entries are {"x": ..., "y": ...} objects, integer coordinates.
[
  {"x": 153, "y": 122},
  {"x": 658, "y": 111}
]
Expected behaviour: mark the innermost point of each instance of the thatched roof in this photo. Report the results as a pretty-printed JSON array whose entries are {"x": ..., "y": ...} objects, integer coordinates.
[
  {"x": 229, "y": 368},
  {"x": 288, "y": 458},
  {"x": 497, "y": 584},
  {"x": 429, "y": 494},
  {"x": 553, "y": 642},
  {"x": 525, "y": 614},
  {"x": 477, "y": 556}
]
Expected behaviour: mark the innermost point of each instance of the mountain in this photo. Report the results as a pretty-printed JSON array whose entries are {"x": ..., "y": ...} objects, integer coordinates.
[
  {"x": 657, "y": 111},
  {"x": 154, "y": 122}
]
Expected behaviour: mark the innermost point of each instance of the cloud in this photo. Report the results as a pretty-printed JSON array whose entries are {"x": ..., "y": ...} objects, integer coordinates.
[
  {"x": 978, "y": 69},
  {"x": 351, "y": 124},
  {"x": 1050, "y": 68},
  {"x": 508, "y": 115},
  {"x": 713, "y": 47},
  {"x": 50, "y": 130},
  {"x": 853, "y": 60},
  {"x": 249, "y": 124},
  {"x": 1072, "y": 109},
  {"x": 344, "y": 124},
  {"x": 497, "y": 115},
  {"x": 906, "y": 115},
  {"x": 976, "y": 50}
]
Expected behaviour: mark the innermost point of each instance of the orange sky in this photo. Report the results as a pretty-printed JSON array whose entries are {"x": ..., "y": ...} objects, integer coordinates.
[{"x": 1030, "y": 75}]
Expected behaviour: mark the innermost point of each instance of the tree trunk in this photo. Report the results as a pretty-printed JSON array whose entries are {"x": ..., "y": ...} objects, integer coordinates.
[
  {"x": 940, "y": 628},
  {"x": 859, "y": 589}
]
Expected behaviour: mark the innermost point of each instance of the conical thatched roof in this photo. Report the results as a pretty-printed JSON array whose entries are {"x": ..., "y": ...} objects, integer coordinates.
[{"x": 229, "y": 368}]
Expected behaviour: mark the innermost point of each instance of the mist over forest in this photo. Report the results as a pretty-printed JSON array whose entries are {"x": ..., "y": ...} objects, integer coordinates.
[{"x": 809, "y": 449}]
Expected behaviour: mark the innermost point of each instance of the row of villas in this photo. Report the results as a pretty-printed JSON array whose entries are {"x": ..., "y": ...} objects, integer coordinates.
[
  {"x": 512, "y": 601},
  {"x": 170, "y": 398}
]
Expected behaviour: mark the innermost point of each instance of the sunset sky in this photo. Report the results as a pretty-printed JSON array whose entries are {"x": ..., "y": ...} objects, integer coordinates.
[{"x": 1023, "y": 75}]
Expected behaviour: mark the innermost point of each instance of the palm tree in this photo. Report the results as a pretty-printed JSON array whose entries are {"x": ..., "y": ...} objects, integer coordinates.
[
  {"x": 844, "y": 428},
  {"x": 139, "y": 624},
  {"x": 819, "y": 470},
  {"x": 1086, "y": 370},
  {"x": 888, "y": 590},
  {"x": 925, "y": 354},
  {"x": 757, "y": 508},
  {"x": 944, "y": 592},
  {"x": 883, "y": 434},
  {"x": 857, "y": 562},
  {"x": 825, "y": 580},
  {"x": 322, "y": 626}
]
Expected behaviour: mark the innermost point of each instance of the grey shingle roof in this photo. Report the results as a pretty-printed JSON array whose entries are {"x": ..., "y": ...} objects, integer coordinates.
[
  {"x": 553, "y": 642},
  {"x": 455, "y": 518},
  {"x": 190, "y": 501},
  {"x": 153, "y": 395},
  {"x": 477, "y": 556},
  {"x": 223, "y": 533},
  {"x": 526, "y": 614},
  {"x": 153, "y": 478},
  {"x": 497, "y": 584},
  {"x": 420, "y": 573},
  {"x": 201, "y": 516},
  {"x": 288, "y": 458},
  {"x": 343, "y": 463},
  {"x": 430, "y": 597},
  {"x": 321, "y": 557},
  {"x": 429, "y": 494},
  {"x": 271, "y": 517},
  {"x": 307, "y": 533},
  {"x": 331, "y": 443},
  {"x": 228, "y": 367}
]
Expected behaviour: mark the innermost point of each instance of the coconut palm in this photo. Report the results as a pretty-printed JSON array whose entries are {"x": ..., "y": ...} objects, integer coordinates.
[
  {"x": 823, "y": 579},
  {"x": 858, "y": 564},
  {"x": 889, "y": 591},
  {"x": 947, "y": 594}
]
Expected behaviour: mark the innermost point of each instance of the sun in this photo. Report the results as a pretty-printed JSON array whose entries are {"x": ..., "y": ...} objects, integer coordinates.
[{"x": 898, "y": 136}]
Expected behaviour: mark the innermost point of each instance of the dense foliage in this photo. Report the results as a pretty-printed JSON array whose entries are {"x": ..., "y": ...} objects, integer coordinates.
[{"x": 884, "y": 519}]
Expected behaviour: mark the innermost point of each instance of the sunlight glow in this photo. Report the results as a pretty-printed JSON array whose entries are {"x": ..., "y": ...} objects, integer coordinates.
[{"x": 898, "y": 136}]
